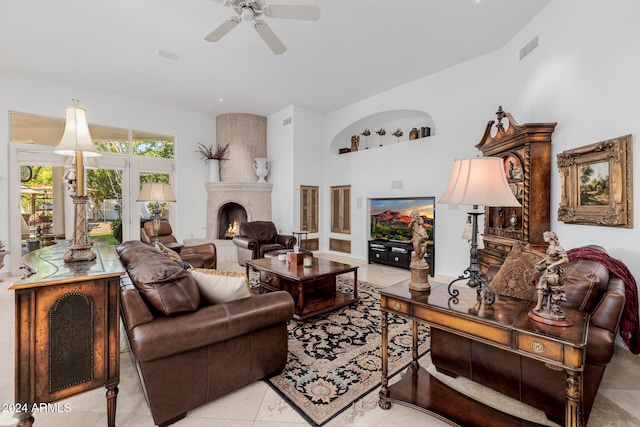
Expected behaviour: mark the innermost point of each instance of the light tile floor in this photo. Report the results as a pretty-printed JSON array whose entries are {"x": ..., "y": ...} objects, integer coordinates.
[{"x": 256, "y": 405}]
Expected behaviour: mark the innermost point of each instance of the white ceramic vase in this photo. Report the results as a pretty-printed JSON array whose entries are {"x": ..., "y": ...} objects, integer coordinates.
[
  {"x": 261, "y": 167},
  {"x": 214, "y": 170}
]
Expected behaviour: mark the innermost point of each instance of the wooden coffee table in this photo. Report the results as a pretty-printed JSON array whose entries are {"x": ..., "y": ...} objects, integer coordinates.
[{"x": 313, "y": 288}]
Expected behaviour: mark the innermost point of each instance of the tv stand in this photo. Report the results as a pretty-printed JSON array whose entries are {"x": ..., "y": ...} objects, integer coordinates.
[{"x": 397, "y": 254}]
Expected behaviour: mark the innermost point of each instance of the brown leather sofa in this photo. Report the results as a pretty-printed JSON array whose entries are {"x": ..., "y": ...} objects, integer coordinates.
[
  {"x": 199, "y": 256},
  {"x": 589, "y": 287},
  {"x": 255, "y": 239},
  {"x": 186, "y": 352}
]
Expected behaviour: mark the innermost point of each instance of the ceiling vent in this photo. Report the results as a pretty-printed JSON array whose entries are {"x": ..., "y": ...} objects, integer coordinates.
[
  {"x": 528, "y": 48},
  {"x": 168, "y": 55}
]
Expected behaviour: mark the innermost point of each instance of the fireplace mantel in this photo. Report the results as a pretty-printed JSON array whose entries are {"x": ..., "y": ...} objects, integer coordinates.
[{"x": 239, "y": 186}]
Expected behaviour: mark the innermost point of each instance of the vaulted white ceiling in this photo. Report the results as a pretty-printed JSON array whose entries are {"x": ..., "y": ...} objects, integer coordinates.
[{"x": 358, "y": 48}]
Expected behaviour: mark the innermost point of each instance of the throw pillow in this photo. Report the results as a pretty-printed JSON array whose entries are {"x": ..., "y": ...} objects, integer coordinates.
[
  {"x": 216, "y": 287},
  {"x": 167, "y": 288},
  {"x": 517, "y": 277},
  {"x": 169, "y": 253}
]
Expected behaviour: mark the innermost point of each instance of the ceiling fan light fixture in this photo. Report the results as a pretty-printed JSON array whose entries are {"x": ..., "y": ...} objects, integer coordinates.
[{"x": 247, "y": 14}]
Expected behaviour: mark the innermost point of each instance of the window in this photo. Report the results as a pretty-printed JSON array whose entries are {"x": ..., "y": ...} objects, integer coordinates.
[
  {"x": 152, "y": 145},
  {"x": 341, "y": 209},
  {"x": 309, "y": 208},
  {"x": 128, "y": 157}
]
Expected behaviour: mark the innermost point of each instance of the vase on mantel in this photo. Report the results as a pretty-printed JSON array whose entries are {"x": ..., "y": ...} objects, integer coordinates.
[
  {"x": 214, "y": 170},
  {"x": 261, "y": 167}
]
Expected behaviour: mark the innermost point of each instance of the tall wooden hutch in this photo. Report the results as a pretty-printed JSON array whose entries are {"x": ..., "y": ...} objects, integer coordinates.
[{"x": 526, "y": 151}]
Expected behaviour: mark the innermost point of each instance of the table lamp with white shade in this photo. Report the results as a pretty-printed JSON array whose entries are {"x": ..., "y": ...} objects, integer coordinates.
[
  {"x": 477, "y": 181},
  {"x": 77, "y": 142}
]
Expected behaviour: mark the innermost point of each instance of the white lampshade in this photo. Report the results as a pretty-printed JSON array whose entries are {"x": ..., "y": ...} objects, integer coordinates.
[
  {"x": 76, "y": 135},
  {"x": 479, "y": 181},
  {"x": 156, "y": 192}
]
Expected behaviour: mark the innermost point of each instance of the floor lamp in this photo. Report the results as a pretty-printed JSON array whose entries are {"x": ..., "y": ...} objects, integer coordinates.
[
  {"x": 156, "y": 192},
  {"x": 477, "y": 181},
  {"x": 77, "y": 142}
]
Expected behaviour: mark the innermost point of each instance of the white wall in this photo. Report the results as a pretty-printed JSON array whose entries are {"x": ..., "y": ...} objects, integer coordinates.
[
  {"x": 280, "y": 155},
  {"x": 42, "y": 97}
]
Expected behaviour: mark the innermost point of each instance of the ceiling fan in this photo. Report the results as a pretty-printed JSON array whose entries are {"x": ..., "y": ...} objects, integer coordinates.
[{"x": 252, "y": 10}]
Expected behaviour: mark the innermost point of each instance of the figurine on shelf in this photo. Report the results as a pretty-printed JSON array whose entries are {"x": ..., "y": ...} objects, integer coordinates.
[
  {"x": 382, "y": 133},
  {"x": 398, "y": 133},
  {"x": 355, "y": 142},
  {"x": 550, "y": 292},
  {"x": 366, "y": 134}
]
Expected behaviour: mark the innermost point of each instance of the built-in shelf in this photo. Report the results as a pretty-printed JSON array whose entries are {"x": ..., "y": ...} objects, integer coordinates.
[{"x": 391, "y": 120}]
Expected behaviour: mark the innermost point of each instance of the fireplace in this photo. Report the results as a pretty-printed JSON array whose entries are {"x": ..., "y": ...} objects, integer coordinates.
[
  {"x": 224, "y": 199},
  {"x": 229, "y": 216}
]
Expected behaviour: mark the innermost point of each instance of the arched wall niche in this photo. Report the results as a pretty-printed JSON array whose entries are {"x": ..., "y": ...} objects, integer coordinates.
[{"x": 390, "y": 121}]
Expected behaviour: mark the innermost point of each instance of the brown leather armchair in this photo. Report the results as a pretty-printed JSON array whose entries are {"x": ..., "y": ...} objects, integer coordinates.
[
  {"x": 589, "y": 287},
  {"x": 199, "y": 256},
  {"x": 186, "y": 351},
  {"x": 255, "y": 239}
]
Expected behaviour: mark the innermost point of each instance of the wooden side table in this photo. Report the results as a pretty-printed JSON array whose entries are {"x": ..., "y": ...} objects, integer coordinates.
[
  {"x": 505, "y": 324},
  {"x": 67, "y": 329}
]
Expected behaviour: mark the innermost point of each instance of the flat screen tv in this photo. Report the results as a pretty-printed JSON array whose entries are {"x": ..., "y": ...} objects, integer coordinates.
[{"x": 390, "y": 218}]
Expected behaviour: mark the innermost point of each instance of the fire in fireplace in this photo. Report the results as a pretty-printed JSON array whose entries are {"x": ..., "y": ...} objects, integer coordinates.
[
  {"x": 231, "y": 230},
  {"x": 230, "y": 215}
]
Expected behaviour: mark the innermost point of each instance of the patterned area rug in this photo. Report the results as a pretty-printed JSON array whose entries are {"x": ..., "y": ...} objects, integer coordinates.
[{"x": 334, "y": 359}]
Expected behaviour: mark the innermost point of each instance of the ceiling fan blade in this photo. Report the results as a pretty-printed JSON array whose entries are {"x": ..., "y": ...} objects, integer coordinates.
[
  {"x": 293, "y": 11},
  {"x": 222, "y": 2},
  {"x": 269, "y": 37},
  {"x": 223, "y": 29}
]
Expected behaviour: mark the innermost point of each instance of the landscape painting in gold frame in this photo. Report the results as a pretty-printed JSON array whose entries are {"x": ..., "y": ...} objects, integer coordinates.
[{"x": 597, "y": 184}]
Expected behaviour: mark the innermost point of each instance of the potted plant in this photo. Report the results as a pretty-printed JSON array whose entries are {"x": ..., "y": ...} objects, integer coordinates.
[{"x": 213, "y": 158}]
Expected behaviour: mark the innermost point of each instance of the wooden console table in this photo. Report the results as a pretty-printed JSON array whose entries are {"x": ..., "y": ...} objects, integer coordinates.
[
  {"x": 67, "y": 329},
  {"x": 505, "y": 324}
]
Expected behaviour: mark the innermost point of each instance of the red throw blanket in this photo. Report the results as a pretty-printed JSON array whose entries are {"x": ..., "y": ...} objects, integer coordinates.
[{"x": 629, "y": 326}]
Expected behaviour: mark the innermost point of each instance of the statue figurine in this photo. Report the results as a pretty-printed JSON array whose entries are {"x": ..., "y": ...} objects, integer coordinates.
[
  {"x": 69, "y": 179},
  {"x": 355, "y": 142},
  {"x": 418, "y": 266},
  {"x": 420, "y": 235},
  {"x": 550, "y": 293}
]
